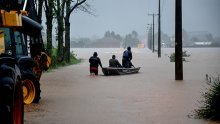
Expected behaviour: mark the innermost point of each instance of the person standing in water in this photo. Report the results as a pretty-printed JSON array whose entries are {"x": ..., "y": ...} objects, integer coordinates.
[
  {"x": 127, "y": 57},
  {"x": 94, "y": 63}
]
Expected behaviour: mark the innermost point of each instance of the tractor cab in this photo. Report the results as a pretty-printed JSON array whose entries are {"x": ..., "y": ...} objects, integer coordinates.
[{"x": 12, "y": 43}]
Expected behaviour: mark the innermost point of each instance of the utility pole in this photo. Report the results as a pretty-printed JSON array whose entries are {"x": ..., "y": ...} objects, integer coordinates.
[
  {"x": 150, "y": 37},
  {"x": 159, "y": 35},
  {"x": 153, "y": 29},
  {"x": 178, "y": 41}
]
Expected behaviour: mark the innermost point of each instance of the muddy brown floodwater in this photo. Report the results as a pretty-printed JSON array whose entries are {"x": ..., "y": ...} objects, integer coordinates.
[{"x": 152, "y": 96}]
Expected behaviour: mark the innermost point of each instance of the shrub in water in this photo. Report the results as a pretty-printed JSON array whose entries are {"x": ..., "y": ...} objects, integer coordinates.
[
  {"x": 210, "y": 105},
  {"x": 184, "y": 54}
]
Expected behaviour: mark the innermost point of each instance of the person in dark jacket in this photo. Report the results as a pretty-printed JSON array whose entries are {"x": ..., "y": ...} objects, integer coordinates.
[
  {"x": 113, "y": 62},
  {"x": 94, "y": 63},
  {"x": 127, "y": 57}
]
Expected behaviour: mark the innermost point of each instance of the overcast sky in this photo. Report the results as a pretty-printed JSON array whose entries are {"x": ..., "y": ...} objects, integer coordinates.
[{"x": 123, "y": 16}]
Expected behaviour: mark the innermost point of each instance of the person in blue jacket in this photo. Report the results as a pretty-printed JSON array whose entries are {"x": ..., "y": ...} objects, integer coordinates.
[{"x": 127, "y": 57}]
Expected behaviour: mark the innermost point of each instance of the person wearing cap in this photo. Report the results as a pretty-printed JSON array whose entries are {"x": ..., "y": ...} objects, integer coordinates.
[
  {"x": 127, "y": 57},
  {"x": 113, "y": 62},
  {"x": 94, "y": 63}
]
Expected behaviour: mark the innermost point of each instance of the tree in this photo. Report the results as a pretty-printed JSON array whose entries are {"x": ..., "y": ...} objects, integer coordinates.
[
  {"x": 63, "y": 10},
  {"x": 209, "y": 37},
  {"x": 134, "y": 34},
  {"x": 69, "y": 10},
  {"x": 49, "y": 17},
  {"x": 131, "y": 39},
  {"x": 59, "y": 12},
  {"x": 107, "y": 34},
  {"x": 195, "y": 39},
  {"x": 112, "y": 34},
  {"x": 118, "y": 37},
  {"x": 39, "y": 11}
]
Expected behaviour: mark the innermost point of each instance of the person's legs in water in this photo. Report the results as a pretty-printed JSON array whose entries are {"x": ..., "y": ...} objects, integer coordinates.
[
  {"x": 96, "y": 72},
  {"x": 93, "y": 71}
]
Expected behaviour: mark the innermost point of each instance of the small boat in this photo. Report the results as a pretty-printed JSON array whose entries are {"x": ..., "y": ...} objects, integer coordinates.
[{"x": 119, "y": 71}]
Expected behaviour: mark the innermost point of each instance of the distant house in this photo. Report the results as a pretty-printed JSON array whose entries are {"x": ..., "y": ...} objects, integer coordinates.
[
  {"x": 200, "y": 38},
  {"x": 195, "y": 39},
  {"x": 203, "y": 43}
]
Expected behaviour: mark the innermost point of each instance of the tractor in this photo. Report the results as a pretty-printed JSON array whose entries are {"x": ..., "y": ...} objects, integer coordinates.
[{"x": 22, "y": 59}]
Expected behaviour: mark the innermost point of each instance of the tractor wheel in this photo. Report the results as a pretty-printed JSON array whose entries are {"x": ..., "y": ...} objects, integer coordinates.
[
  {"x": 31, "y": 89},
  {"x": 11, "y": 102}
]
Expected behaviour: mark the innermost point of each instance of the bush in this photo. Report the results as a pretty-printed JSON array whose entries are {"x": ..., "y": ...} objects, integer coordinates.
[
  {"x": 210, "y": 105},
  {"x": 55, "y": 63},
  {"x": 73, "y": 59},
  {"x": 184, "y": 54}
]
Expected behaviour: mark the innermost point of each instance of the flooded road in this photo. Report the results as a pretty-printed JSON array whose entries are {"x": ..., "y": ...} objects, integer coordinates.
[{"x": 152, "y": 96}]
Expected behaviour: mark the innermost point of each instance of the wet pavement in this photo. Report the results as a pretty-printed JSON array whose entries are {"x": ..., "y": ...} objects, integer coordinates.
[{"x": 152, "y": 96}]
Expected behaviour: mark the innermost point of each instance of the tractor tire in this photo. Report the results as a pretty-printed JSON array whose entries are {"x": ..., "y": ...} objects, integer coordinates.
[
  {"x": 11, "y": 101},
  {"x": 31, "y": 88}
]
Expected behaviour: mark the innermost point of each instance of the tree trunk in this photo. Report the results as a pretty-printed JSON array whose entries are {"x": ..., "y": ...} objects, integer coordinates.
[
  {"x": 39, "y": 14},
  {"x": 49, "y": 17},
  {"x": 67, "y": 40},
  {"x": 60, "y": 28},
  {"x": 49, "y": 36},
  {"x": 60, "y": 39},
  {"x": 67, "y": 32}
]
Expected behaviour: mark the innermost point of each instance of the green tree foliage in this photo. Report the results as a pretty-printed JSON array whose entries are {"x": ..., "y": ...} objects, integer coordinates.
[{"x": 56, "y": 64}]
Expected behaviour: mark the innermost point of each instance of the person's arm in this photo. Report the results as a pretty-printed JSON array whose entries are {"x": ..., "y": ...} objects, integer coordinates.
[
  {"x": 118, "y": 64},
  {"x": 90, "y": 60},
  {"x": 109, "y": 62},
  {"x": 130, "y": 55},
  {"x": 99, "y": 61}
]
